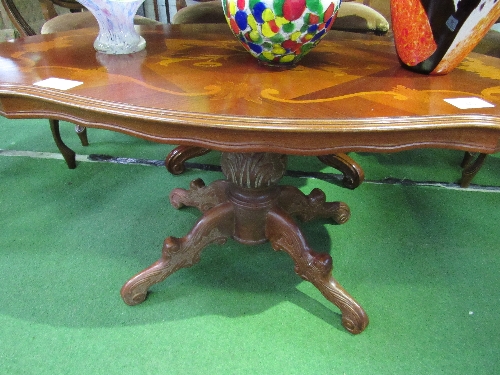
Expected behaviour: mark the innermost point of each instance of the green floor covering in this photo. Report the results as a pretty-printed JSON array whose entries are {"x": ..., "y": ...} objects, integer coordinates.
[{"x": 422, "y": 260}]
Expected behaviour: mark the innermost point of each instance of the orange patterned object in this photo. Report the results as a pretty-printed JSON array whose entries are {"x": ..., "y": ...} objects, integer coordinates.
[
  {"x": 434, "y": 36},
  {"x": 412, "y": 32}
]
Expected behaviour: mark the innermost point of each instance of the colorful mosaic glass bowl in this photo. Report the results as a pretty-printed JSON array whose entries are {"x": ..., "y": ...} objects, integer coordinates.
[{"x": 280, "y": 32}]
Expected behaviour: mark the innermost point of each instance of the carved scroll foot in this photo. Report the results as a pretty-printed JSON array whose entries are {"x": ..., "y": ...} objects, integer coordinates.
[
  {"x": 199, "y": 195},
  {"x": 215, "y": 226},
  {"x": 67, "y": 153},
  {"x": 316, "y": 268},
  {"x": 178, "y": 156},
  {"x": 352, "y": 171},
  {"x": 312, "y": 206},
  {"x": 470, "y": 167}
]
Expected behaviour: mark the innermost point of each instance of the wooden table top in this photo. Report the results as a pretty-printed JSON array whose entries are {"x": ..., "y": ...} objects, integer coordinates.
[{"x": 195, "y": 85}]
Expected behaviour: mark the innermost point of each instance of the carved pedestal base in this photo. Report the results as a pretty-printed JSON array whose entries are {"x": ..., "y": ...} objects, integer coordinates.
[
  {"x": 352, "y": 171},
  {"x": 252, "y": 208}
]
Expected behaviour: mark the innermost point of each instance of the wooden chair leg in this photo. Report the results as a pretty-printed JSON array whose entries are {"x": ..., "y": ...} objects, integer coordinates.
[
  {"x": 352, "y": 171},
  {"x": 81, "y": 131},
  {"x": 470, "y": 167},
  {"x": 67, "y": 153},
  {"x": 468, "y": 156}
]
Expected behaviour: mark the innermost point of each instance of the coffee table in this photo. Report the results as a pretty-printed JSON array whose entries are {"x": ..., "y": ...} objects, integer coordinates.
[{"x": 195, "y": 86}]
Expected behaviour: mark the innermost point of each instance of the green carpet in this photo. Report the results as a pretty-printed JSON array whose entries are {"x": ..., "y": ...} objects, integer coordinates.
[{"x": 422, "y": 260}]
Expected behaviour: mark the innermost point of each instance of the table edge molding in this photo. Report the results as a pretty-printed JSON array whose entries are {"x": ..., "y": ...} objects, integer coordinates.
[{"x": 242, "y": 123}]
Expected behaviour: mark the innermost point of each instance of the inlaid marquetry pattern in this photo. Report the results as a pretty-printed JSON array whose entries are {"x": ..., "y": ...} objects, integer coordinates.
[{"x": 180, "y": 59}]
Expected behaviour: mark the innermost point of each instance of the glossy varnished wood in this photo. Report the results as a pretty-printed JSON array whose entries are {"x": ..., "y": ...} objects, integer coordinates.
[
  {"x": 250, "y": 207},
  {"x": 194, "y": 85},
  {"x": 353, "y": 173}
]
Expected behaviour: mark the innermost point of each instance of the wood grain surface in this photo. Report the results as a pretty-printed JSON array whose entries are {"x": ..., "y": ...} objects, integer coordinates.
[{"x": 195, "y": 85}]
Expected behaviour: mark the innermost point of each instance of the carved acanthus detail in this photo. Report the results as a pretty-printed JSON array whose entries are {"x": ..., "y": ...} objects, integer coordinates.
[
  {"x": 253, "y": 170},
  {"x": 200, "y": 196},
  {"x": 314, "y": 267},
  {"x": 312, "y": 206},
  {"x": 213, "y": 227}
]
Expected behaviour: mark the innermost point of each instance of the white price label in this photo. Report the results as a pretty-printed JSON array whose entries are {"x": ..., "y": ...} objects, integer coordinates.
[
  {"x": 58, "y": 83},
  {"x": 468, "y": 103}
]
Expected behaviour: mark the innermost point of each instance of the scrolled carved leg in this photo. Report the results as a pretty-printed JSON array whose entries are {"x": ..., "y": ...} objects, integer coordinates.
[
  {"x": 352, "y": 171},
  {"x": 215, "y": 226},
  {"x": 177, "y": 157},
  {"x": 471, "y": 167},
  {"x": 314, "y": 267},
  {"x": 312, "y": 206},
  {"x": 199, "y": 195},
  {"x": 67, "y": 153}
]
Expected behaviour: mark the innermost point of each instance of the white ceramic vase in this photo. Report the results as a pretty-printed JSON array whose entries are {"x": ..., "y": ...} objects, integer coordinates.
[{"x": 117, "y": 34}]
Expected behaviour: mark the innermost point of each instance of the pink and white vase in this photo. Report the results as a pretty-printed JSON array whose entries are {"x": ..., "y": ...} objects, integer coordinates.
[
  {"x": 117, "y": 34},
  {"x": 434, "y": 36}
]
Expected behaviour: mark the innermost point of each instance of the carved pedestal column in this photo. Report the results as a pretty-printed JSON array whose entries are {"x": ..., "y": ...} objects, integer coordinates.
[
  {"x": 250, "y": 207},
  {"x": 352, "y": 171}
]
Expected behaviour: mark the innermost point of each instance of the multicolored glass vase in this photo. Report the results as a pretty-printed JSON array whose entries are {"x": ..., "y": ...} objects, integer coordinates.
[
  {"x": 434, "y": 36},
  {"x": 280, "y": 32},
  {"x": 117, "y": 34}
]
